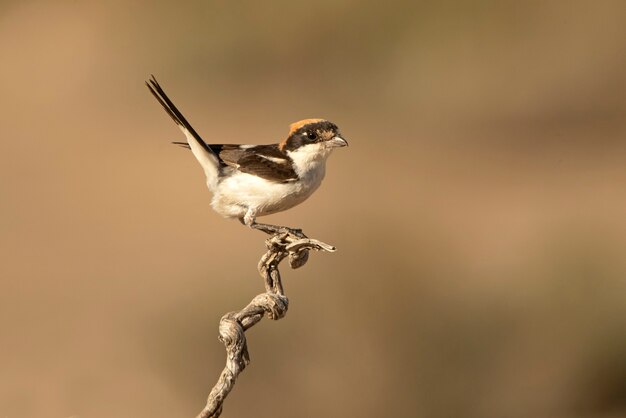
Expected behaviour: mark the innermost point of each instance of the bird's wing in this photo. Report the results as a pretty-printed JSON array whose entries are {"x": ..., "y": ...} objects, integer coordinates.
[
  {"x": 207, "y": 158},
  {"x": 265, "y": 161}
]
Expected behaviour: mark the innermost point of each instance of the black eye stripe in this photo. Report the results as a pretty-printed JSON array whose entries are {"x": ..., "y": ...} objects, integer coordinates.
[
  {"x": 317, "y": 126},
  {"x": 299, "y": 137}
]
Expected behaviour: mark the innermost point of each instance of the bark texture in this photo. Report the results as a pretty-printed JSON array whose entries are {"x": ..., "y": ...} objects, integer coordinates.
[{"x": 292, "y": 245}]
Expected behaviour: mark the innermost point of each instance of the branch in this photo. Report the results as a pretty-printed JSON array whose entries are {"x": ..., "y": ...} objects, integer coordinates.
[{"x": 293, "y": 245}]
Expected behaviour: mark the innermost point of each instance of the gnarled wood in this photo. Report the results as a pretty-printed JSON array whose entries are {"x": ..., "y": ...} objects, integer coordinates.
[{"x": 274, "y": 303}]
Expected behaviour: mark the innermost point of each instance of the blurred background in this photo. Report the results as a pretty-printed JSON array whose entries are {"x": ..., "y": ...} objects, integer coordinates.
[{"x": 479, "y": 212}]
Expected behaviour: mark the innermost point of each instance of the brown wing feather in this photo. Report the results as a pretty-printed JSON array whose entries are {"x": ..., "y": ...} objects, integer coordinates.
[
  {"x": 230, "y": 154},
  {"x": 265, "y": 161},
  {"x": 267, "y": 169}
]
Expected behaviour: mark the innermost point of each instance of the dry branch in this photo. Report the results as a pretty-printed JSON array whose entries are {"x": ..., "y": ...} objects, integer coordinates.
[{"x": 293, "y": 245}]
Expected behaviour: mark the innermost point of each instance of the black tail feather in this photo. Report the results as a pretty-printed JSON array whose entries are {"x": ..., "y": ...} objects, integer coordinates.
[
  {"x": 174, "y": 113},
  {"x": 182, "y": 144}
]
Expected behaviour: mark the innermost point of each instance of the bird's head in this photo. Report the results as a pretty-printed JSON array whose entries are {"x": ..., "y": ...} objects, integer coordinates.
[{"x": 315, "y": 138}]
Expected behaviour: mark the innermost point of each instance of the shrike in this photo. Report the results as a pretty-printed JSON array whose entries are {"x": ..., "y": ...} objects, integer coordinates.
[{"x": 248, "y": 181}]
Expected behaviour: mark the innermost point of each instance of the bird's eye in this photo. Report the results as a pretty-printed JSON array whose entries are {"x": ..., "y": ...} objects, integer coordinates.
[{"x": 311, "y": 135}]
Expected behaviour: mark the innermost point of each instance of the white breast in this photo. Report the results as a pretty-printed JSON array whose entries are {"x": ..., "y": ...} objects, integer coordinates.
[{"x": 239, "y": 192}]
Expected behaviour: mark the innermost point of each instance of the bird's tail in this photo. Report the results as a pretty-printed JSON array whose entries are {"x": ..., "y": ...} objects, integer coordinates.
[
  {"x": 203, "y": 153},
  {"x": 181, "y": 144}
]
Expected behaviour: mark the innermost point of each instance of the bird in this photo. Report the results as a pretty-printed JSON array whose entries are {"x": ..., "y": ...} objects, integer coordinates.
[{"x": 249, "y": 181}]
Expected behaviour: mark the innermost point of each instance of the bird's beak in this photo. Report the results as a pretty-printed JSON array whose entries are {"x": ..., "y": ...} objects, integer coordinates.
[{"x": 337, "y": 142}]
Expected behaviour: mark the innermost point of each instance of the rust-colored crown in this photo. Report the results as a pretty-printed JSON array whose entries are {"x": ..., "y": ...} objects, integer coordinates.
[{"x": 299, "y": 124}]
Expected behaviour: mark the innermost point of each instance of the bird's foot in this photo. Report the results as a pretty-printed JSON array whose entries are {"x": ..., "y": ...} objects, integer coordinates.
[
  {"x": 277, "y": 229},
  {"x": 293, "y": 231}
]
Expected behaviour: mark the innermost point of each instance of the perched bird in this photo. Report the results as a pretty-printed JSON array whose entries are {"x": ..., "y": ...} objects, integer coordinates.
[{"x": 248, "y": 181}]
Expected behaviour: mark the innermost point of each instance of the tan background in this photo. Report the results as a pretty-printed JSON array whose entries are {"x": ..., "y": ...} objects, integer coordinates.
[{"x": 479, "y": 210}]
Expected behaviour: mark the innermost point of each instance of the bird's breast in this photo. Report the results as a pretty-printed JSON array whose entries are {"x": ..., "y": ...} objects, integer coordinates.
[{"x": 241, "y": 191}]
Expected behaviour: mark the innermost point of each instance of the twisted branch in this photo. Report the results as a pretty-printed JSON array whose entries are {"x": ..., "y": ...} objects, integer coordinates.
[{"x": 273, "y": 302}]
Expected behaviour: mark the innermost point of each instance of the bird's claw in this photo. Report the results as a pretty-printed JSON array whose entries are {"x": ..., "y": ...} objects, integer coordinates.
[{"x": 292, "y": 231}]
